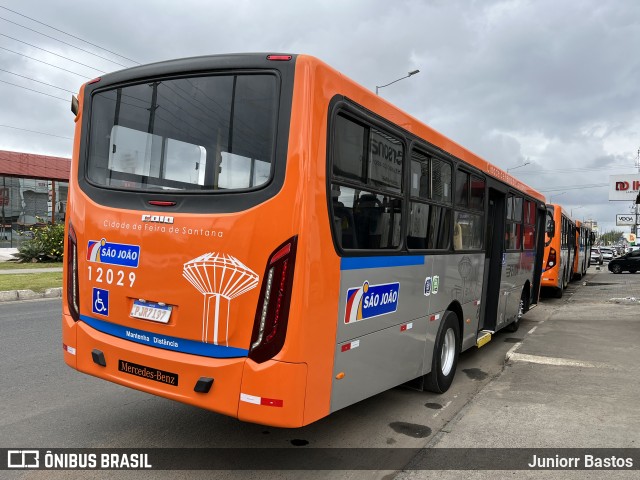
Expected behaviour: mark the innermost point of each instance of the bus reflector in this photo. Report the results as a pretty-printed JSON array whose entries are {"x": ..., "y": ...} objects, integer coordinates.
[
  {"x": 161, "y": 203},
  {"x": 69, "y": 349},
  {"x": 268, "y": 402},
  {"x": 350, "y": 346},
  {"x": 73, "y": 297},
  {"x": 279, "y": 58},
  {"x": 272, "y": 314}
]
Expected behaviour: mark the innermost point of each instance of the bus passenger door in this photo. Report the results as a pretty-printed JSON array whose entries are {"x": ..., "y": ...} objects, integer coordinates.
[{"x": 495, "y": 265}]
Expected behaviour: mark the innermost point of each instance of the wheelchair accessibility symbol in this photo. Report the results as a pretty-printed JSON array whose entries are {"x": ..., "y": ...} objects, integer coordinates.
[{"x": 100, "y": 302}]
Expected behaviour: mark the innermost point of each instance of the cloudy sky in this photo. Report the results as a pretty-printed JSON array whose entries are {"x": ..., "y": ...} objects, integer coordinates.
[{"x": 555, "y": 84}]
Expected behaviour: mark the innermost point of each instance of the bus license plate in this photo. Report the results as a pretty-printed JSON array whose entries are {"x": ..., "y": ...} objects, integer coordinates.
[{"x": 155, "y": 312}]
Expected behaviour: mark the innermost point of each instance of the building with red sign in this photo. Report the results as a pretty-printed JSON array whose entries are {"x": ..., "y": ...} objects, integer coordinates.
[{"x": 33, "y": 191}]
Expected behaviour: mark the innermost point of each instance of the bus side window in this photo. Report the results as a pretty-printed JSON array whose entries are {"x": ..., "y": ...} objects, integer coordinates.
[
  {"x": 344, "y": 224},
  {"x": 368, "y": 216},
  {"x": 457, "y": 237}
]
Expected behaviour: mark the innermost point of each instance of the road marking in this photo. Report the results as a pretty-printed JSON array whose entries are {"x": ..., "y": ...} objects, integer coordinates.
[
  {"x": 532, "y": 330},
  {"x": 511, "y": 351},
  {"x": 561, "y": 362}
]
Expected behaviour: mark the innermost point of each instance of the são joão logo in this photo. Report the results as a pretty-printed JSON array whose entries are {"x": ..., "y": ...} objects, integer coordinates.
[
  {"x": 122, "y": 254},
  {"x": 370, "y": 301}
]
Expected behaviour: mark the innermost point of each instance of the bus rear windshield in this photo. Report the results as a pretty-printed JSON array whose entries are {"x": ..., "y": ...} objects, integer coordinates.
[{"x": 199, "y": 133}]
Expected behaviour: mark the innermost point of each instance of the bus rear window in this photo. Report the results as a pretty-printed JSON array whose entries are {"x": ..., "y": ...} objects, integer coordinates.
[{"x": 199, "y": 133}]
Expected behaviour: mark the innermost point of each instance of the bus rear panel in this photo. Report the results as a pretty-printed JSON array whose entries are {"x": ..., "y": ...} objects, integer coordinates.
[{"x": 178, "y": 168}]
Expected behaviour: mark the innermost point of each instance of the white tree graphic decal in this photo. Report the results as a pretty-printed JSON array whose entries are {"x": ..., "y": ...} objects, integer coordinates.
[{"x": 219, "y": 277}]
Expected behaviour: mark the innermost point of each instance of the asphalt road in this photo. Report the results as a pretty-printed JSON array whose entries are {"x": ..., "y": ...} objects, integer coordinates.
[{"x": 45, "y": 404}]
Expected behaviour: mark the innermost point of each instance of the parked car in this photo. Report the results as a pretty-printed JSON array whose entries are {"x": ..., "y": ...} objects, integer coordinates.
[
  {"x": 607, "y": 254},
  {"x": 596, "y": 256},
  {"x": 628, "y": 262}
]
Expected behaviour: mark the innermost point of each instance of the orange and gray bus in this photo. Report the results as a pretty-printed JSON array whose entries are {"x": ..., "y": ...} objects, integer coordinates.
[
  {"x": 582, "y": 250},
  {"x": 560, "y": 250},
  {"x": 262, "y": 237}
]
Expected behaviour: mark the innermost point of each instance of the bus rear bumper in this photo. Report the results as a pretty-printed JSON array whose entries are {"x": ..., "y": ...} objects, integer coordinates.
[
  {"x": 168, "y": 374},
  {"x": 270, "y": 393}
]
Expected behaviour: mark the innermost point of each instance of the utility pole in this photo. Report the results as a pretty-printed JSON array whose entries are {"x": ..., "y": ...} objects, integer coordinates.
[{"x": 635, "y": 207}]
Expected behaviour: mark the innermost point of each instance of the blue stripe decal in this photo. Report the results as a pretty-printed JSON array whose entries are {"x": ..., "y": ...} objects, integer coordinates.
[
  {"x": 165, "y": 342},
  {"x": 359, "y": 263}
]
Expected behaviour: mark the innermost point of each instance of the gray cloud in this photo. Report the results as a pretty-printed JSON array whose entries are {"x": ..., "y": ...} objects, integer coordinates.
[{"x": 553, "y": 83}]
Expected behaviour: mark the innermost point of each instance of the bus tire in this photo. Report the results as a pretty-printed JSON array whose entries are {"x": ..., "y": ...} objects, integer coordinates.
[
  {"x": 445, "y": 355},
  {"x": 558, "y": 292}
]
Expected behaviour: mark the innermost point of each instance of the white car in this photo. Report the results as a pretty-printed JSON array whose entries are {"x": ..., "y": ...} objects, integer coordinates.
[
  {"x": 596, "y": 256},
  {"x": 607, "y": 254}
]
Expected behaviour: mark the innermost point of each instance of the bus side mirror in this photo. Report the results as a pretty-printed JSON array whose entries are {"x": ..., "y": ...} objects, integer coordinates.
[
  {"x": 551, "y": 229},
  {"x": 592, "y": 237},
  {"x": 75, "y": 105}
]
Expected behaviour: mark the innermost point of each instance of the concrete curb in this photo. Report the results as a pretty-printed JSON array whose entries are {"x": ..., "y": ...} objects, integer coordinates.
[{"x": 13, "y": 295}]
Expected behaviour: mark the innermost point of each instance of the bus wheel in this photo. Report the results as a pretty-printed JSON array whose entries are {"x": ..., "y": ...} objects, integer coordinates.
[
  {"x": 445, "y": 355},
  {"x": 558, "y": 292}
]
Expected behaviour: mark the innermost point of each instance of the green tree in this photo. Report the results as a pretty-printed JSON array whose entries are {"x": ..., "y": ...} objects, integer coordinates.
[{"x": 612, "y": 237}]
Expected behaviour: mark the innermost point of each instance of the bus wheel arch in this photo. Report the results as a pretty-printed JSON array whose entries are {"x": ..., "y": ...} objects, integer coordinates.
[
  {"x": 456, "y": 308},
  {"x": 522, "y": 308},
  {"x": 446, "y": 351}
]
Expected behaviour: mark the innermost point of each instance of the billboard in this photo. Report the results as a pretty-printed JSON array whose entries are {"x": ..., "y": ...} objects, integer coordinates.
[
  {"x": 626, "y": 219},
  {"x": 624, "y": 187}
]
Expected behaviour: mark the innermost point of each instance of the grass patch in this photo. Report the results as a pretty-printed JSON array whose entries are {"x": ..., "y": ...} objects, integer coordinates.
[
  {"x": 22, "y": 266},
  {"x": 38, "y": 282}
]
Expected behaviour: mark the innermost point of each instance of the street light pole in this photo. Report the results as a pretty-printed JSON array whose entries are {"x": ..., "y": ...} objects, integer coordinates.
[
  {"x": 571, "y": 214},
  {"x": 402, "y": 78}
]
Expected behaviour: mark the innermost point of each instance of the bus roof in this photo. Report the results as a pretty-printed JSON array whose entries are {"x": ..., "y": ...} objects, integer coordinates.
[{"x": 379, "y": 105}]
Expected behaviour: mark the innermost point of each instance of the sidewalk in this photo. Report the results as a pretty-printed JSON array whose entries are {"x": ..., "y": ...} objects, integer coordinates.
[
  {"x": 17, "y": 271},
  {"x": 6, "y": 254},
  {"x": 572, "y": 382}
]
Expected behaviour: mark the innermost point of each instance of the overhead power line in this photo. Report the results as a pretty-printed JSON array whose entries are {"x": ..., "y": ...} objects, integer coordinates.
[
  {"x": 34, "y": 131},
  {"x": 34, "y": 80},
  {"x": 42, "y": 61},
  {"x": 571, "y": 170},
  {"x": 63, "y": 42},
  {"x": 575, "y": 187},
  {"x": 69, "y": 34},
  {"x": 36, "y": 91},
  {"x": 53, "y": 53}
]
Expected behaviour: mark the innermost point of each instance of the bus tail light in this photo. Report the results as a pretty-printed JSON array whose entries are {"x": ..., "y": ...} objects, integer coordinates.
[
  {"x": 551, "y": 260},
  {"x": 272, "y": 314},
  {"x": 73, "y": 297}
]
